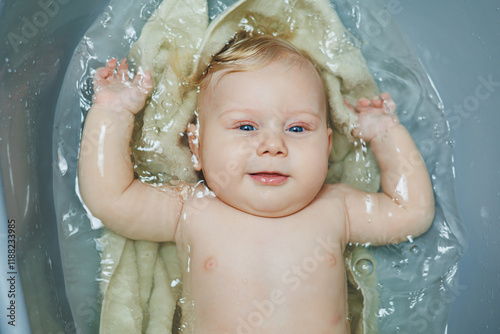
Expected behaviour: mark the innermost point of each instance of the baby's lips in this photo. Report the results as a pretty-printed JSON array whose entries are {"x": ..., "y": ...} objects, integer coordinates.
[
  {"x": 269, "y": 178},
  {"x": 265, "y": 172}
]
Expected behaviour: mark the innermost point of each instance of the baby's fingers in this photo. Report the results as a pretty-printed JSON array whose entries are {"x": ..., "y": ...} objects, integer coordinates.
[
  {"x": 364, "y": 105},
  {"x": 377, "y": 102},
  {"x": 389, "y": 105},
  {"x": 103, "y": 73},
  {"x": 122, "y": 70},
  {"x": 143, "y": 80},
  {"x": 363, "y": 102},
  {"x": 386, "y": 96}
]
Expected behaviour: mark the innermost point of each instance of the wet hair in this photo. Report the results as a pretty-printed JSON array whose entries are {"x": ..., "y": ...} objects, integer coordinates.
[{"x": 246, "y": 52}]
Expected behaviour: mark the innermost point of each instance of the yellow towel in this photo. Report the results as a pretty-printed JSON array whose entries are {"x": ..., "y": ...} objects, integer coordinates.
[{"x": 141, "y": 280}]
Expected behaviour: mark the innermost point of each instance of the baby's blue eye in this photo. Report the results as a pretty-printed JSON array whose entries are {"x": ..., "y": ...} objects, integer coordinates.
[
  {"x": 246, "y": 127},
  {"x": 297, "y": 128}
]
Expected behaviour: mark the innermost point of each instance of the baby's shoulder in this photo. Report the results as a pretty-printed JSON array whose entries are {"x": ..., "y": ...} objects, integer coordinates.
[
  {"x": 332, "y": 198},
  {"x": 329, "y": 201},
  {"x": 193, "y": 191},
  {"x": 197, "y": 198},
  {"x": 332, "y": 191}
]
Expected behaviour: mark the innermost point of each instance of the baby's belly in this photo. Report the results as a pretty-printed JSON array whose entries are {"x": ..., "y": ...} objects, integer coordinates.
[{"x": 309, "y": 297}]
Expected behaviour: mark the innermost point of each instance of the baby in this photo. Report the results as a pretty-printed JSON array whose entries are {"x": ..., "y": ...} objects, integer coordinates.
[{"x": 260, "y": 241}]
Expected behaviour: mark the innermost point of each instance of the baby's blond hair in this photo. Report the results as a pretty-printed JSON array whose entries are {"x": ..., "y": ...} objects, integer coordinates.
[{"x": 246, "y": 52}]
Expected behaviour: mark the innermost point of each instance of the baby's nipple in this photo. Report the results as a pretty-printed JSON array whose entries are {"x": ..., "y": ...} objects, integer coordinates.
[
  {"x": 211, "y": 264},
  {"x": 330, "y": 259}
]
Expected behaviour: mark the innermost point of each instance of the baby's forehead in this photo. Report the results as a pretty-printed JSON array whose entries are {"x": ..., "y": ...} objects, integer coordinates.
[
  {"x": 218, "y": 92},
  {"x": 287, "y": 58}
]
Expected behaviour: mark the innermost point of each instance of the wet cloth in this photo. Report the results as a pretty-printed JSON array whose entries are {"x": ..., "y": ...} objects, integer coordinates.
[{"x": 142, "y": 280}]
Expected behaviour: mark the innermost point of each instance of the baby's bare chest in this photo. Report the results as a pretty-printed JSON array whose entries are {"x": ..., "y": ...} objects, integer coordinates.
[
  {"x": 242, "y": 253},
  {"x": 253, "y": 259},
  {"x": 237, "y": 266}
]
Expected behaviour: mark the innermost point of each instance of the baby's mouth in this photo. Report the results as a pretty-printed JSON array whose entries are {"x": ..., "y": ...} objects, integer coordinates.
[{"x": 269, "y": 178}]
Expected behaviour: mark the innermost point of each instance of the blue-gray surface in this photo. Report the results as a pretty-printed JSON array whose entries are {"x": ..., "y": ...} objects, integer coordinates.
[{"x": 459, "y": 45}]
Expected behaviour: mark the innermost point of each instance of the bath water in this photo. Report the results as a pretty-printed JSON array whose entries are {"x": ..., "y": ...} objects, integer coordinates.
[{"x": 415, "y": 280}]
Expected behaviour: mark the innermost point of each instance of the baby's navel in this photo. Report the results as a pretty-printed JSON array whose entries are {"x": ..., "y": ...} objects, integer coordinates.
[{"x": 211, "y": 264}]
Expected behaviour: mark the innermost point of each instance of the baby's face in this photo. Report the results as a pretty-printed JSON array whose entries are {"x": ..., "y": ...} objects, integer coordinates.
[{"x": 263, "y": 138}]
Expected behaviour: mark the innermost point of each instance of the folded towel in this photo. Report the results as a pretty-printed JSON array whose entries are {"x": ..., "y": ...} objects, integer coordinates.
[{"x": 141, "y": 280}]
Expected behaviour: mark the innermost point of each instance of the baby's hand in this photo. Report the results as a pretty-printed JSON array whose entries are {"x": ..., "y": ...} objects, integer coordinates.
[
  {"x": 117, "y": 91},
  {"x": 374, "y": 117}
]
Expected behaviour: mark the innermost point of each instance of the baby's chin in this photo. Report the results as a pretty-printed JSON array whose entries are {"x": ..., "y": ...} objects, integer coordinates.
[{"x": 266, "y": 210}]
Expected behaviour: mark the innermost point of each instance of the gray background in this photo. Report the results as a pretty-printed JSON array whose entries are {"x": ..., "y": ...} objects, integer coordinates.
[{"x": 458, "y": 42}]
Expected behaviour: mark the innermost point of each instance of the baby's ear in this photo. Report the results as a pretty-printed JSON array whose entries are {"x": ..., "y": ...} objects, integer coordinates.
[
  {"x": 329, "y": 131},
  {"x": 193, "y": 139}
]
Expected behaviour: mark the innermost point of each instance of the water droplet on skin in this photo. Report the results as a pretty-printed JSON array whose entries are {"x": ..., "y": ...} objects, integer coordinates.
[
  {"x": 364, "y": 267},
  {"x": 244, "y": 281}
]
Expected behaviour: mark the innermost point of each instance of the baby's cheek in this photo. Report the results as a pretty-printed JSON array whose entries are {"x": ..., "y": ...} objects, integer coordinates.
[{"x": 245, "y": 146}]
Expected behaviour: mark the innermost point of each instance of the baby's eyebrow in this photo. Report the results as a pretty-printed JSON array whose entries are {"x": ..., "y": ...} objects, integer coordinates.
[
  {"x": 238, "y": 110},
  {"x": 308, "y": 111}
]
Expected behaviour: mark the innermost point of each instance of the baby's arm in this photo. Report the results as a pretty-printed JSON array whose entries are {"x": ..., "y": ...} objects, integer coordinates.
[
  {"x": 405, "y": 207},
  {"x": 106, "y": 179}
]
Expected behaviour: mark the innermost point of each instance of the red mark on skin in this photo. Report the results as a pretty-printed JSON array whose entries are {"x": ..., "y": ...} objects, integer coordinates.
[
  {"x": 211, "y": 264},
  {"x": 330, "y": 259},
  {"x": 336, "y": 319}
]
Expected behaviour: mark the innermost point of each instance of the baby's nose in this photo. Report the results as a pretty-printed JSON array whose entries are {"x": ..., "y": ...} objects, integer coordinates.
[{"x": 272, "y": 143}]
